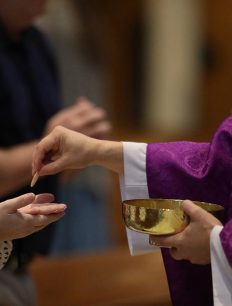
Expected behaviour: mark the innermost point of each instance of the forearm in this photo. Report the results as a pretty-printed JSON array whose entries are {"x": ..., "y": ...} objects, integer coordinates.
[
  {"x": 109, "y": 154},
  {"x": 15, "y": 167},
  {"x": 64, "y": 149}
]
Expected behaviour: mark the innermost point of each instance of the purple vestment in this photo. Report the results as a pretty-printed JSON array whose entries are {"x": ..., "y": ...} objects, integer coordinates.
[{"x": 201, "y": 172}]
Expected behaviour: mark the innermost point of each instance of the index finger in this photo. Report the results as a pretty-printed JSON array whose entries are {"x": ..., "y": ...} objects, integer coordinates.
[{"x": 43, "y": 209}]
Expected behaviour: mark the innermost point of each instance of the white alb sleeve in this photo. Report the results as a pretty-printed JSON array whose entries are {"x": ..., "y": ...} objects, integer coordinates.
[
  {"x": 133, "y": 185},
  {"x": 221, "y": 270}
]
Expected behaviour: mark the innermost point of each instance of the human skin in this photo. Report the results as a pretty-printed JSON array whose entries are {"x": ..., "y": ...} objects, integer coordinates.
[
  {"x": 193, "y": 243},
  {"x": 82, "y": 115},
  {"x": 64, "y": 149},
  {"x": 15, "y": 162},
  {"x": 26, "y": 214},
  {"x": 17, "y": 15}
]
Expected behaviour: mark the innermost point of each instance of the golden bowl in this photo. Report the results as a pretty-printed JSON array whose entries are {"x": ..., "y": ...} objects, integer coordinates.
[{"x": 160, "y": 216}]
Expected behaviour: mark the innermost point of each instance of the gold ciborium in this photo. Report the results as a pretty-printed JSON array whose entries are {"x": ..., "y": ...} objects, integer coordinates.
[{"x": 160, "y": 216}]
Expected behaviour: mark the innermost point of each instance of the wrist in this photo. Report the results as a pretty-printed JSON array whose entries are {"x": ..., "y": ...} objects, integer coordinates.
[
  {"x": 212, "y": 225},
  {"x": 109, "y": 154}
]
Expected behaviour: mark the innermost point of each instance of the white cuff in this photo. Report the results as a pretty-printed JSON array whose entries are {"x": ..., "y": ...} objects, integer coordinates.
[
  {"x": 221, "y": 270},
  {"x": 134, "y": 186}
]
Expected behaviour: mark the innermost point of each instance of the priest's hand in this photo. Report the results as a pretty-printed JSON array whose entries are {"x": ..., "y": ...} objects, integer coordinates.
[
  {"x": 64, "y": 149},
  {"x": 193, "y": 243},
  {"x": 27, "y": 214}
]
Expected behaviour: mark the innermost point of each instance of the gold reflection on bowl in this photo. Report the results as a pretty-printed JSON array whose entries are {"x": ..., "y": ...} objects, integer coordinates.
[{"x": 159, "y": 216}]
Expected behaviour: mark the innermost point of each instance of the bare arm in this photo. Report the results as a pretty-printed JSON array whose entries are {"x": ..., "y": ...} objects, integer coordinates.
[
  {"x": 15, "y": 165},
  {"x": 64, "y": 149},
  {"x": 109, "y": 154}
]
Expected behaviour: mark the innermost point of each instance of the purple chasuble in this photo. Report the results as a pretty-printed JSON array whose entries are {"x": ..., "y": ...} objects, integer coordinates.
[{"x": 200, "y": 172}]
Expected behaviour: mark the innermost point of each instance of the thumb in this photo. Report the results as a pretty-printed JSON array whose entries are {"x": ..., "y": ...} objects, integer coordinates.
[
  {"x": 12, "y": 205},
  {"x": 192, "y": 210}
]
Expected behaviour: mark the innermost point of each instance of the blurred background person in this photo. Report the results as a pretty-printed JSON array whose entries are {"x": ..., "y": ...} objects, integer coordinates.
[
  {"x": 81, "y": 71},
  {"x": 30, "y": 104},
  {"x": 164, "y": 70}
]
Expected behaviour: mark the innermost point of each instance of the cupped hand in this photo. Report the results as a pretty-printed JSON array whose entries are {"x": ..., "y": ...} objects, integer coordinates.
[
  {"x": 84, "y": 117},
  {"x": 193, "y": 243},
  {"x": 26, "y": 214},
  {"x": 43, "y": 205}
]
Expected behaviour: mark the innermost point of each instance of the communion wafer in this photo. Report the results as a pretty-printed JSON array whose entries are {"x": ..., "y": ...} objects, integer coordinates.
[{"x": 34, "y": 179}]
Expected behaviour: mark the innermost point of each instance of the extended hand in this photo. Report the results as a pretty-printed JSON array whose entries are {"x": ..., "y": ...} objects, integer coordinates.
[
  {"x": 193, "y": 243},
  {"x": 64, "y": 149},
  {"x": 27, "y": 214}
]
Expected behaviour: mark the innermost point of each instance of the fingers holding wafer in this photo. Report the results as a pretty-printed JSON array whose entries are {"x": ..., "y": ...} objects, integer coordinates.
[{"x": 34, "y": 179}]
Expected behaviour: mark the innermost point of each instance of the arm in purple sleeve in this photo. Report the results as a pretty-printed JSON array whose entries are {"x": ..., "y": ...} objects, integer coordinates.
[{"x": 195, "y": 171}]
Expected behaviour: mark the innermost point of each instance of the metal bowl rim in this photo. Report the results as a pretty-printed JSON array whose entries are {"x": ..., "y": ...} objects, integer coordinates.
[{"x": 217, "y": 207}]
